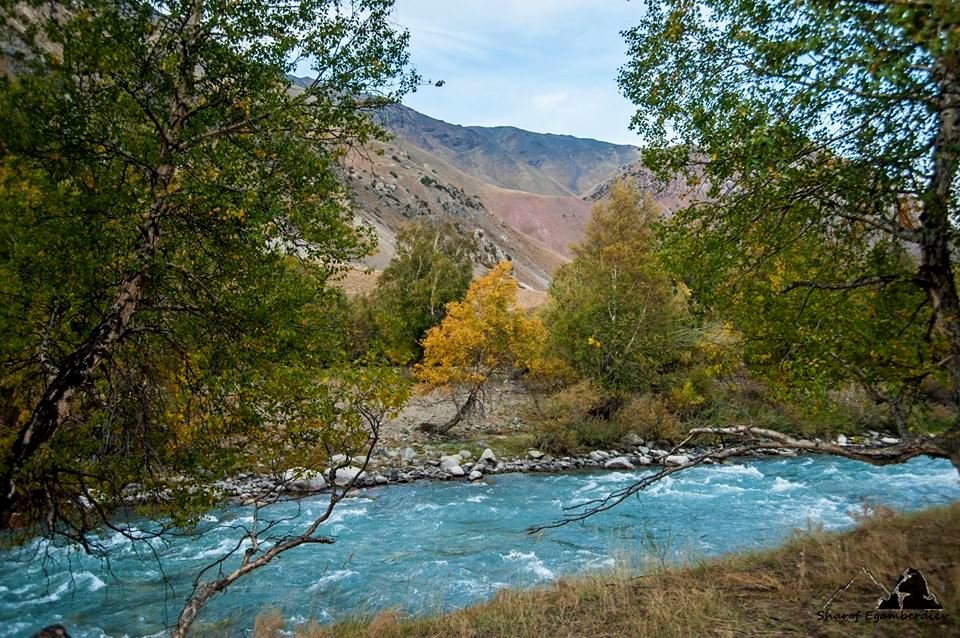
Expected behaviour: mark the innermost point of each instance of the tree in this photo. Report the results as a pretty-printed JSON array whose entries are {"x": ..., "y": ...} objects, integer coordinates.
[
  {"x": 614, "y": 314},
  {"x": 829, "y": 134},
  {"x": 432, "y": 267},
  {"x": 169, "y": 218},
  {"x": 482, "y": 335}
]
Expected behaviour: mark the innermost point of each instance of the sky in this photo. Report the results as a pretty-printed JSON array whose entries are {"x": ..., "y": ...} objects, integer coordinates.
[{"x": 548, "y": 66}]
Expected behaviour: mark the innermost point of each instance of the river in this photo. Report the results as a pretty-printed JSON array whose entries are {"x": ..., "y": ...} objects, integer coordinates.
[{"x": 434, "y": 546}]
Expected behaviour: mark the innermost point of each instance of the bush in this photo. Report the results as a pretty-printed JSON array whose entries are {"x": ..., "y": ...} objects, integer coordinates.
[
  {"x": 556, "y": 438},
  {"x": 650, "y": 417}
]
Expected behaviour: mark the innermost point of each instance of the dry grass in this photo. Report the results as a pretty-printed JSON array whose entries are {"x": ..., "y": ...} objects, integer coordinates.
[{"x": 772, "y": 593}]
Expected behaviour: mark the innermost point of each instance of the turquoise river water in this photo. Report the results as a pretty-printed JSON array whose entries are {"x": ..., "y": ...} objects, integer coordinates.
[{"x": 433, "y": 546}]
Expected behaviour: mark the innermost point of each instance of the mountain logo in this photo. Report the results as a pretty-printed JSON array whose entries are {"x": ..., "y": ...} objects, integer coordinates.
[{"x": 910, "y": 592}]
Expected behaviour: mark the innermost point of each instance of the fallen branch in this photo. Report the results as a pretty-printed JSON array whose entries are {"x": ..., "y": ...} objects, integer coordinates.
[{"x": 753, "y": 439}]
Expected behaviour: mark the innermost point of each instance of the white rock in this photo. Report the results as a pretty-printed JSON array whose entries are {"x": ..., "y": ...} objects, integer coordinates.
[
  {"x": 676, "y": 459},
  {"x": 466, "y": 454},
  {"x": 453, "y": 460},
  {"x": 304, "y": 480},
  {"x": 347, "y": 474},
  {"x": 618, "y": 463},
  {"x": 475, "y": 475},
  {"x": 380, "y": 479},
  {"x": 536, "y": 455},
  {"x": 842, "y": 440},
  {"x": 407, "y": 454},
  {"x": 338, "y": 459},
  {"x": 643, "y": 449},
  {"x": 643, "y": 459},
  {"x": 456, "y": 470},
  {"x": 488, "y": 456},
  {"x": 889, "y": 440},
  {"x": 599, "y": 455}
]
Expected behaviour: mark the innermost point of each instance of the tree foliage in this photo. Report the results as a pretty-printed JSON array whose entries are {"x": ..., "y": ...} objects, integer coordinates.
[
  {"x": 614, "y": 313},
  {"x": 829, "y": 133},
  {"x": 169, "y": 217},
  {"x": 433, "y": 266},
  {"x": 482, "y": 335}
]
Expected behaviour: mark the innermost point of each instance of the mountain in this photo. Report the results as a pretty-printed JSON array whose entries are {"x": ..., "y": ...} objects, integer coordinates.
[
  {"x": 526, "y": 196},
  {"x": 672, "y": 195},
  {"x": 511, "y": 158}
]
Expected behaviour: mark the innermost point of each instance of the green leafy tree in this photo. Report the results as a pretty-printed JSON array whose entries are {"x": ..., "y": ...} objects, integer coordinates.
[
  {"x": 432, "y": 267},
  {"x": 614, "y": 313},
  {"x": 169, "y": 218},
  {"x": 829, "y": 136}
]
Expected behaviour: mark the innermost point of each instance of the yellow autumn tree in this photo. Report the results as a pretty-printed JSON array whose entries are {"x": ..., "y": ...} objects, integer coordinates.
[{"x": 480, "y": 336}]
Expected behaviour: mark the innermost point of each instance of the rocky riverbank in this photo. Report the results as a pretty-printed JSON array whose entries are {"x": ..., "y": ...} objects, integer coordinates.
[{"x": 405, "y": 465}]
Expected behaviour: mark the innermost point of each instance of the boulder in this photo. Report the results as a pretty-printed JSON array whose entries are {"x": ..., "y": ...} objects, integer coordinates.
[
  {"x": 488, "y": 457},
  {"x": 643, "y": 459},
  {"x": 347, "y": 474},
  {"x": 889, "y": 440},
  {"x": 456, "y": 470},
  {"x": 380, "y": 479},
  {"x": 338, "y": 459},
  {"x": 843, "y": 440},
  {"x": 643, "y": 449},
  {"x": 536, "y": 455},
  {"x": 631, "y": 440},
  {"x": 300, "y": 479},
  {"x": 466, "y": 454},
  {"x": 407, "y": 454},
  {"x": 599, "y": 455},
  {"x": 676, "y": 459},
  {"x": 452, "y": 460},
  {"x": 475, "y": 475},
  {"x": 618, "y": 463}
]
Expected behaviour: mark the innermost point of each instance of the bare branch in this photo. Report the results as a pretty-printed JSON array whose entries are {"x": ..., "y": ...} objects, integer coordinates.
[{"x": 754, "y": 439}]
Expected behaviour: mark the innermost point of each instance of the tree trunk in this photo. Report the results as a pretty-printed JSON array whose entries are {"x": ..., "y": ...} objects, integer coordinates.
[
  {"x": 462, "y": 412},
  {"x": 936, "y": 268}
]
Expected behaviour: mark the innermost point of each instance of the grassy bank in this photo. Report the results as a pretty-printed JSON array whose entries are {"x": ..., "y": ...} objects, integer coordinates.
[{"x": 770, "y": 593}]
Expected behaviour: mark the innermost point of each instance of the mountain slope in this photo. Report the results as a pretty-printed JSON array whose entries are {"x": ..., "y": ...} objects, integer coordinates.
[{"x": 511, "y": 158}]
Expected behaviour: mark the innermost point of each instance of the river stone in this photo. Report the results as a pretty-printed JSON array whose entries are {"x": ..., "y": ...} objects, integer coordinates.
[
  {"x": 407, "y": 454},
  {"x": 631, "y": 440},
  {"x": 842, "y": 440},
  {"x": 380, "y": 479},
  {"x": 643, "y": 449},
  {"x": 676, "y": 459},
  {"x": 338, "y": 459},
  {"x": 466, "y": 454},
  {"x": 475, "y": 475},
  {"x": 447, "y": 462},
  {"x": 488, "y": 456},
  {"x": 618, "y": 463},
  {"x": 599, "y": 455},
  {"x": 889, "y": 440},
  {"x": 643, "y": 459},
  {"x": 347, "y": 474},
  {"x": 535, "y": 454},
  {"x": 304, "y": 480},
  {"x": 456, "y": 470}
]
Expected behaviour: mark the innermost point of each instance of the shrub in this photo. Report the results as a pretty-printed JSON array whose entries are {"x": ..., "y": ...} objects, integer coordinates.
[{"x": 651, "y": 418}]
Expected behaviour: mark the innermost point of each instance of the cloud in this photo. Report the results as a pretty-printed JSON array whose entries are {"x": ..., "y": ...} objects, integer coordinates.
[
  {"x": 545, "y": 65},
  {"x": 549, "y": 101}
]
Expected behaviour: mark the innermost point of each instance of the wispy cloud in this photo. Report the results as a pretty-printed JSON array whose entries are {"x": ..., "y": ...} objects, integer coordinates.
[{"x": 546, "y": 65}]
